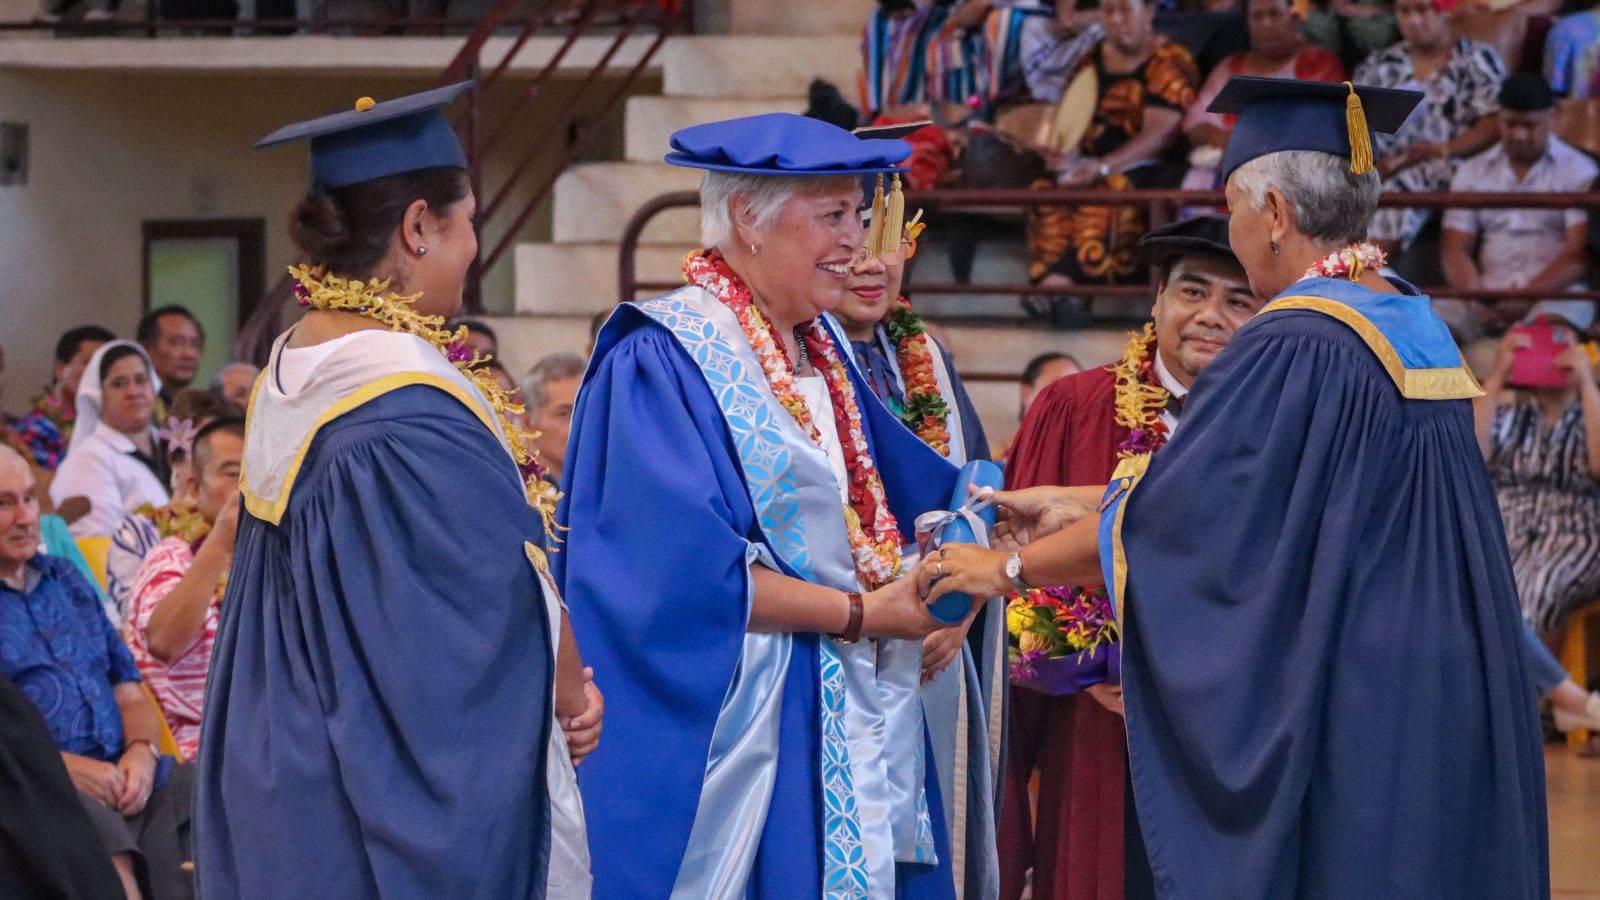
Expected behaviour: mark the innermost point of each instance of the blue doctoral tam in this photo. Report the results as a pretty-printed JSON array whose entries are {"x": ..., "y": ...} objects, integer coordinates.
[
  {"x": 1288, "y": 114},
  {"x": 376, "y": 140},
  {"x": 783, "y": 144}
]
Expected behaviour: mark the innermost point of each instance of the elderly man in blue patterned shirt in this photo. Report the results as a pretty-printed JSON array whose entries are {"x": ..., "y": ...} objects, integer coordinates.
[{"x": 57, "y": 645}]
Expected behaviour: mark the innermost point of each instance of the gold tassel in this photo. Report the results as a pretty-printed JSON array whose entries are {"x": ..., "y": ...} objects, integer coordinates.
[
  {"x": 1355, "y": 119},
  {"x": 875, "y": 230},
  {"x": 894, "y": 219}
]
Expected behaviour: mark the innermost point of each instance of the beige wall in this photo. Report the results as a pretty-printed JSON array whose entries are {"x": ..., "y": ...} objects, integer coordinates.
[{"x": 109, "y": 151}]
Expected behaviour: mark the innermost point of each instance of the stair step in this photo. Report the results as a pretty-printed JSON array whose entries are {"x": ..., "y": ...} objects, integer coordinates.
[
  {"x": 581, "y": 279},
  {"x": 594, "y": 201},
  {"x": 758, "y": 65},
  {"x": 652, "y": 120}
]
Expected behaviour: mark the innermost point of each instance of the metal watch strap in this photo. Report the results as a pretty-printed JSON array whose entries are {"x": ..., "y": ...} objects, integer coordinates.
[{"x": 1017, "y": 580}]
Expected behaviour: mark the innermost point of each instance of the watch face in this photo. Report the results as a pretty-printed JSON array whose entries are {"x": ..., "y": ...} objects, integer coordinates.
[{"x": 1013, "y": 566}]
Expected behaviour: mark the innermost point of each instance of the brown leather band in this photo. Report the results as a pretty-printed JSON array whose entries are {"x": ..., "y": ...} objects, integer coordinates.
[{"x": 852, "y": 629}]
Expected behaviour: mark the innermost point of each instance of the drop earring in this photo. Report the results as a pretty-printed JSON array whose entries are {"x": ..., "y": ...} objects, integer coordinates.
[
  {"x": 754, "y": 249},
  {"x": 1273, "y": 246}
]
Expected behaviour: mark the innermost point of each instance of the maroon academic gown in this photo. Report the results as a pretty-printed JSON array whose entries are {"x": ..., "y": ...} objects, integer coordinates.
[{"x": 1074, "y": 840}]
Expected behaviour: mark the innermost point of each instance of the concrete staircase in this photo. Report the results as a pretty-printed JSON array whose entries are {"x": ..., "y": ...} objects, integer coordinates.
[{"x": 563, "y": 283}]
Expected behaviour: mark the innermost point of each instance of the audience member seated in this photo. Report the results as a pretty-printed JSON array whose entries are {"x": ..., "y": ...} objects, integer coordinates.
[
  {"x": 1516, "y": 248},
  {"x": 1053, "y": 47},
  {"x": 550, "y": 392},
  {"x": 1040, "y": 371},
  {"x": 47, "y": 428},
  {"x": 1460, "y": 81},
  {"x": 1145, "y": 83},
  {"x": 141, "y": 530},
  {"x": 172, "y": 620},
  {"x": 1277, "y": 50},
  {"x": 1572, "y": 55},
  {"x": 114, "y": 458},
  {"x": 172, "y": 337},
  {"x": 57, "y": 645},
  {"x": 480, "y": 336},
  {"x": 1351, "y": 29},
  {"x": 235, "y": 381},
  {"x": 1543, "y": 450}
]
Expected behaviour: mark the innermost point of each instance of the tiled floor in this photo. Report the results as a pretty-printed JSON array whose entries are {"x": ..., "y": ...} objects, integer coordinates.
[{"x": 1574, "y": 797}]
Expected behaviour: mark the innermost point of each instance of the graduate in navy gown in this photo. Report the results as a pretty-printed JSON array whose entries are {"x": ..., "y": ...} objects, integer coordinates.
[
  {"x": 379, "y": 714},
  {"x": 740, "y": 512},
  {"x": 1321, "y": 643}
]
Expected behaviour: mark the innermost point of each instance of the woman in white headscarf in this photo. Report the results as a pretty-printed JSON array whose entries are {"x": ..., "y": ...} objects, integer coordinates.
[{"x": 114, "y": 459}]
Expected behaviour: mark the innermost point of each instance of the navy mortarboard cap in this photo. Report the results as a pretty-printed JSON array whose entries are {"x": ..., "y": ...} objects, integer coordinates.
[
  {"x": 376, "y": 140},
  {"x": 783, "y": 144},
  {"x": 1288, "y": 114},
  {"x": 1202, "y": 234}
]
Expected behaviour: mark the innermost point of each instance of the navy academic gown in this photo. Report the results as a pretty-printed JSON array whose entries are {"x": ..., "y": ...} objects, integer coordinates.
[
  {"x": 377, "y": 713},
  {"x": 1321, "y": 646}
]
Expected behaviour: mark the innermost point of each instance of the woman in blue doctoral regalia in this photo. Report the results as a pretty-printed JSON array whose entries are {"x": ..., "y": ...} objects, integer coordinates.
[
  {"x": 739, "y": 513},
  {"x": 1322, "y": 658},
  {"x": 965, "y": 676},
  {"x": 379, "y": 714}
]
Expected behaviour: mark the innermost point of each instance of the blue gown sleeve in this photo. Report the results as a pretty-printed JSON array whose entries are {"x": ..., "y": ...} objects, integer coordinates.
[
  {"x": 1321, "y": 629},
  {"x": 655, "y": 569},
  {"x": 429, "y": 646}
]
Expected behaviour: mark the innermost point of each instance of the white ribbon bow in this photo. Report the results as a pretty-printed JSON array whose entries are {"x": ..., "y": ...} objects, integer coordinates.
[{"x": 934, "y": 522}]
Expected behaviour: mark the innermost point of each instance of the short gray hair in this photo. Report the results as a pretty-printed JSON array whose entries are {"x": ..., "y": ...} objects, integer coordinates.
[
  {"x": 764, "y": 195},
  {"x": 555, "y": 367},
  {"x": 252, "y": 368},
  {"x": 1332, "y": 205}
]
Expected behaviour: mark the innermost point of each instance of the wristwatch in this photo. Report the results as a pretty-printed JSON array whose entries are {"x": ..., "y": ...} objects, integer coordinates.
[
  {"x": 149, "y": 745},
  {"x": 1014, "y": 572}
]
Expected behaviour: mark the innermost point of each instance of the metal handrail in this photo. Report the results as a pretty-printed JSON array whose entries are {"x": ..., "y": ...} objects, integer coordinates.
[{"x": 1159, "y": 201}]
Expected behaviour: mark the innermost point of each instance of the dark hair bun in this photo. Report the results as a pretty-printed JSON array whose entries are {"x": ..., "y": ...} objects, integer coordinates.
[{"x": 319, "y": 226}]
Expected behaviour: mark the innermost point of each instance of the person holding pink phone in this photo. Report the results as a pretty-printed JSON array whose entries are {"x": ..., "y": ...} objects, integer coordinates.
[{"x": 1542, "y": 444}]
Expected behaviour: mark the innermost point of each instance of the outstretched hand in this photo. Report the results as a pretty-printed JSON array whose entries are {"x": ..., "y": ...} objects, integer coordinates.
[
  {"x": 964, "y": 568},
  {"x": 1032, "y": 513}
]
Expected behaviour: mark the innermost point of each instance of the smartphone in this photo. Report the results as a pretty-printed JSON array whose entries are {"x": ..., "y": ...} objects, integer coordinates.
[{"x": 1534, "y": 364}]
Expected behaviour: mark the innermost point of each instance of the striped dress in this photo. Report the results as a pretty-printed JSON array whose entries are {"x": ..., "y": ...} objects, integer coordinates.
[{"x": 1551, "y": 507}]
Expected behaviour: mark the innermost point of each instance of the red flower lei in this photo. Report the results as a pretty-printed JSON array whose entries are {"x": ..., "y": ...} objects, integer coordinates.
[
  {"x": 1349, "y": 262},
  {"x": 874, "y": 534},
  {"x": 925, "y": 412}
]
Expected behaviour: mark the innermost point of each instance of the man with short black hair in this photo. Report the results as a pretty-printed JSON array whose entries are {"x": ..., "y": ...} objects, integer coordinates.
[
  {"x": 177, "y": 593},
  {"x": 1074, "y": 434},
  {"x": 174, "y": 339},
  {"x": 1516, "y": 248},
  {"x": 48, "y": 427}
]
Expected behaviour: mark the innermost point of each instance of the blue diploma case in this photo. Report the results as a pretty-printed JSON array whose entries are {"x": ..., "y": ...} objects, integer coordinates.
[{"x": 980, "y": 473}]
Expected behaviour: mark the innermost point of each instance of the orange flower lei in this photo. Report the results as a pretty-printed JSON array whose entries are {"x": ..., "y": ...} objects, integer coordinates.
[
  {"x": 874, "y": 534},
  {"x": 925, "y": 412}
]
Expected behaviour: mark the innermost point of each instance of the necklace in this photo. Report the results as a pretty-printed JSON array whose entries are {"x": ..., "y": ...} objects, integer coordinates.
[
  {"x": 1140, "y": 398},
  {"x": 373, "y": 300},
  {"x": 804, "y": 353},
  {"x": 925, "y": 412},
  {"x": 874, "y": 534},
  {"x": 1350, "y": 262}
]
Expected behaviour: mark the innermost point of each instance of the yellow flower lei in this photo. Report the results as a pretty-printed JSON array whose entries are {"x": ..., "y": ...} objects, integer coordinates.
[
  {"x": 1139, "y": 399},
  {"x": 373, "y": 300}
]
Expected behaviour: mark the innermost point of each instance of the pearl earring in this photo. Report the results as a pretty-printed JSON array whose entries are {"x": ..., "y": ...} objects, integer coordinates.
[
  {"x": 754, "y": 249},
  {"x": 422, "y": 251},
  {"x": 1274, "y": 247}
]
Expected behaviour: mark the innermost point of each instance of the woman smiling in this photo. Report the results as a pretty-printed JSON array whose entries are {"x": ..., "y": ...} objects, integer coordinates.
[
  {"x": 739, "y": 508},
  {"x": 114, "y": 458}
]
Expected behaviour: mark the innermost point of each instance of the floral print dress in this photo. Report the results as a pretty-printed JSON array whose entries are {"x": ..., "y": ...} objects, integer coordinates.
[
  {"x": 1455, "y": 97},
  {"x": 1096, "y": 244}
]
